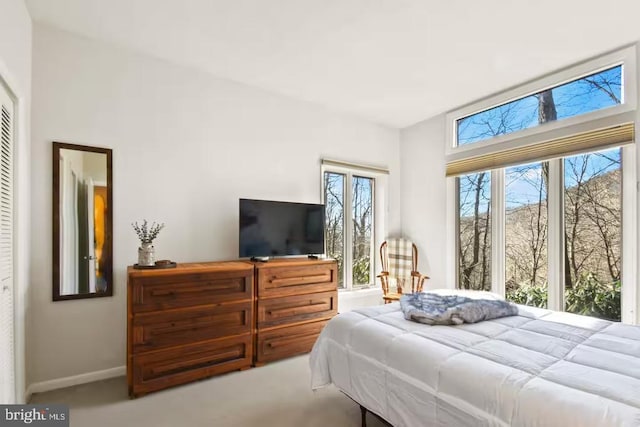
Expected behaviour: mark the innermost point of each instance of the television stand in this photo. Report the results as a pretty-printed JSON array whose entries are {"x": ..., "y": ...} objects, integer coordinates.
[
  {"x": 259, "y": 258},
  {"x": 313, "y": 257}
]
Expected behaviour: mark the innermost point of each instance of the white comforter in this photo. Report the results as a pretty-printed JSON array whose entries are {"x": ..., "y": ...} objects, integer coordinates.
[{"x": 540, "y": 368}]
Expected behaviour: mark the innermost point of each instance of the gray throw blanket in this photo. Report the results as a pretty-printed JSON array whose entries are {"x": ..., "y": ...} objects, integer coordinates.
[{"x": 434, "y": 309}]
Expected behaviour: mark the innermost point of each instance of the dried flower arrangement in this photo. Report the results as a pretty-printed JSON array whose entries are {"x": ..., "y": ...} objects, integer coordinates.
[{"x": 145, "y": 233}]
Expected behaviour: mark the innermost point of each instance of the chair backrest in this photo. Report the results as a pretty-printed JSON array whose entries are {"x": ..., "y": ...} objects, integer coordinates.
[{"x": 399, "y": 259}]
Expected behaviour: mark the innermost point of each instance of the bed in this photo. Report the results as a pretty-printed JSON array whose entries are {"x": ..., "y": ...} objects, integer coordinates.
[{"x": 539, "y": 368}]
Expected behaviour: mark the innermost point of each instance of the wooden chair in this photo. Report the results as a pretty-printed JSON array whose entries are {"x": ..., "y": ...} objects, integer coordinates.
[{"x": 404, "y": 256}]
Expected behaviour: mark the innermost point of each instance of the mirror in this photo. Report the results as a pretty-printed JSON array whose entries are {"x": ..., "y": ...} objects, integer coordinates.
[{"x": 82, "y": 222}]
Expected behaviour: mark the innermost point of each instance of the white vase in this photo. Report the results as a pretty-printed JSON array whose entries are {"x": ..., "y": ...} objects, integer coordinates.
[{"x": 146, "y": 255}]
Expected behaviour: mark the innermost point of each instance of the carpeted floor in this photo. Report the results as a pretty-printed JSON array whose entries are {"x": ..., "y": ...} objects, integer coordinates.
[{"x": 275, "y": 395}]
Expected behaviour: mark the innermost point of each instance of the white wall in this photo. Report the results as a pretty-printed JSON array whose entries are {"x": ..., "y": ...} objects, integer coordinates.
[
  {"x": 15, "y": 70},
  {"x": 186, "y": 146},
  {"x": 424, "y": 196}
]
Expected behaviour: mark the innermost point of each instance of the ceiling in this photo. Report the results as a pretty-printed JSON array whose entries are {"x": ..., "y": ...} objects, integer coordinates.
[{"x": 394, "y": 62}]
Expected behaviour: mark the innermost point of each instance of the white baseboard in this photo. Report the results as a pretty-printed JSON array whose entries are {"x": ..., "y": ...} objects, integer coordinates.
[{"x": 89, "y": 377}]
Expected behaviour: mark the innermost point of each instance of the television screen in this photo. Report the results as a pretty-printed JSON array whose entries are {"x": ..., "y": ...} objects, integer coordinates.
[{"x": 269, "y": 228}]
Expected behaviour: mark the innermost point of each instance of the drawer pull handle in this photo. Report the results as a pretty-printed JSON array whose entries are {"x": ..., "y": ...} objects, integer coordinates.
[
  {"x": 157, "y": 293},
  {"x": 299, "y": 281},
  {"x": 308, "y": 308},
  {"x": 283, "y": 342}
]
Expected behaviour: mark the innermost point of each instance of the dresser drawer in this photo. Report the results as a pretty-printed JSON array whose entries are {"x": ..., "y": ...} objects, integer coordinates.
[
  {"x": 298, "y": 308},
  {"x": 296, "y": 280},
  {"x": 285, "y": 342},
  {"x": 157, "y": 370},
  {"x": 151, "y": 293},
  {"x": 175, "y": 327}
]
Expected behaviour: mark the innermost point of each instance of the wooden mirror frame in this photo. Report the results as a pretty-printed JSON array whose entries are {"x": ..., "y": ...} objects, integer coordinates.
[{"x": 108, "y": 239}]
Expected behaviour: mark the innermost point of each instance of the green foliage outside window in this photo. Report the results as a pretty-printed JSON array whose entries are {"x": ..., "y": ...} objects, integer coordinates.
[
  {"x": 592, "y": 298},
  {"x": 588, "y": 297},
  {"x": 534, "y": 296},
  {"x": 362, "y": 270}
]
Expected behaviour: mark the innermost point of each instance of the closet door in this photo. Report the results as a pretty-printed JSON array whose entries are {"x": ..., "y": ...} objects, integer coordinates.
[{"x": 7, "y": 379}]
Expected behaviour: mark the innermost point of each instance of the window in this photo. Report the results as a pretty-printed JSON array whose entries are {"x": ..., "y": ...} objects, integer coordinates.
[
  {"x": 580, "y": 96},
  {"x": 539, "y": 218},
  {"x": 474, "y": 231},
  {"x": 593, "y": 233},
  {"x": 592, "y": 94},
  {"x": 353, "y": 221},
  {"x": 525, "y": 217},
  {"x": 334, "y": 219},
  {"x": 362, "y": 208}
]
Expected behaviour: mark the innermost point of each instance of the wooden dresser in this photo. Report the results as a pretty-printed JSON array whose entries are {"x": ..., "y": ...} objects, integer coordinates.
[
  {"x": 188, "y": 323},
  {"x": 294, "y": 300}
]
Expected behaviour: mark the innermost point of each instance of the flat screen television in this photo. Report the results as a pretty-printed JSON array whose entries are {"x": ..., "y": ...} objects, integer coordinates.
[{"x": 270, "y": 228}]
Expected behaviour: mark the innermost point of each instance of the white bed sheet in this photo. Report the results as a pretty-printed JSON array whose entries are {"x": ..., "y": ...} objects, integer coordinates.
[{"x": 540, "y": 368}]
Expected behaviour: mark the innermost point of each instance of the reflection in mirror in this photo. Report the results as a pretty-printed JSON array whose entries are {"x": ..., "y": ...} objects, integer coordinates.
[{"x": 82, "y": 222}]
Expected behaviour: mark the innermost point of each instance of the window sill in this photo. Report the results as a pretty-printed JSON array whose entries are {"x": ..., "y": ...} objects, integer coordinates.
[
  {"x": 351, "y": 300},
  {"x": 360, "y": 292}
]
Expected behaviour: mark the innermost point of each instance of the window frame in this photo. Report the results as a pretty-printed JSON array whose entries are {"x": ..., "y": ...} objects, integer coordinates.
[
  {"x": 379, "y": 200},
  {"x": 625, "y": 57},
  {"x": 623, "y": 113}
]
